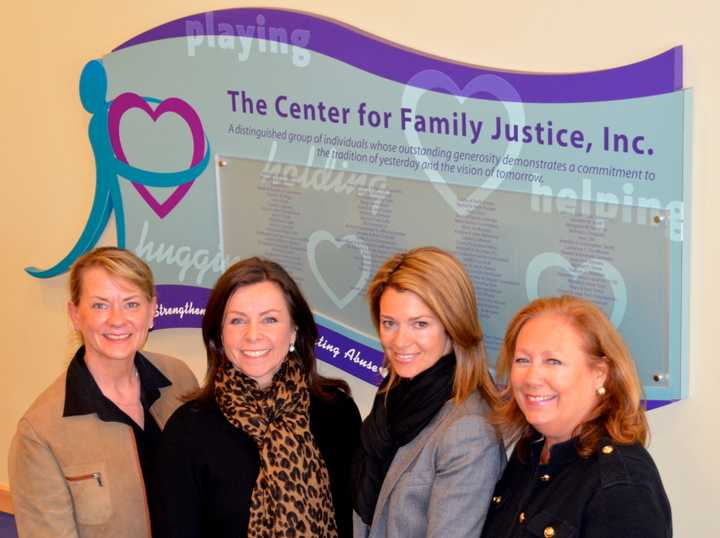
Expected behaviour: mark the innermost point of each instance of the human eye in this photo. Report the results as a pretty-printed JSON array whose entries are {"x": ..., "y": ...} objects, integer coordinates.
[
  {"x": 421, "y": 324},
  {"x": 521, "y": 360},
  {"x": 553, "y": 361},
  {"x": 387, "y": 323},
  {"x": 270, "y": 320},
  {"x": 133, "y": 305},
  {"x": 98, "y": 306},
  {"x": 235, "y": 320}
]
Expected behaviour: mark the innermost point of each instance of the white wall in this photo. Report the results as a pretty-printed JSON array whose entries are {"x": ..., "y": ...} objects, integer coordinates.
[{"x": 48, "y": 178}]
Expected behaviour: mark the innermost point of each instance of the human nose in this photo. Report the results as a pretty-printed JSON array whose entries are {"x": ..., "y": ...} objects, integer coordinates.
[
  {"x": 252, "y": 331},
  {"x": 402, "y": 336},
  {"x": 533, "y": 374},
  {"x": 117, "y": 316}
]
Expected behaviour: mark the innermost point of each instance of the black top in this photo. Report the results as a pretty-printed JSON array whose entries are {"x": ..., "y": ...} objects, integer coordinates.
[
  {"x": 617, "y": 492},
  {"x": 84, "y": 397},
  {"x": 396, "y": 418},
  {"x": 207, "y": 469}
]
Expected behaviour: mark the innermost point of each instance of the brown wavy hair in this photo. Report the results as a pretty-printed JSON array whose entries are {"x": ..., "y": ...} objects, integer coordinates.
[
  {"x": 619, "y": 413},
  {"x": 245, "y": 273},
  {"x": 440, "y": 280}
]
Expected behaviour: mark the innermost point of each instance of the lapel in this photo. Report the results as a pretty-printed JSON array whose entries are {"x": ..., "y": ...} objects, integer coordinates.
[
  {"x": 408, "y": 454},
  {"x": 164, "y": 406}
]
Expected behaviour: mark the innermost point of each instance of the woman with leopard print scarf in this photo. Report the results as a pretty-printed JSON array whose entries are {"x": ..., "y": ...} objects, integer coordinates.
[{"x": 263, "y": 448}]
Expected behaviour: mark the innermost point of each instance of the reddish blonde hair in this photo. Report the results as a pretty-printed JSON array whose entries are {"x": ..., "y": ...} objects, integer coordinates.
[
  {"x": 619, "y": 413},
  {"x": 440, "y": 280}
]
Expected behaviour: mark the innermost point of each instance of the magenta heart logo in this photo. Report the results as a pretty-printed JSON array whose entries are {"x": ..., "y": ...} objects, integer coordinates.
[
  {"x": 126, "y": 101},
  {"x": 487, "y": 84}
]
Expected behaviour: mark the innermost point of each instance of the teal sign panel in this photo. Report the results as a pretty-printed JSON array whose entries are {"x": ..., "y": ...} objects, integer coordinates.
[{"x": 277, "y": 133}]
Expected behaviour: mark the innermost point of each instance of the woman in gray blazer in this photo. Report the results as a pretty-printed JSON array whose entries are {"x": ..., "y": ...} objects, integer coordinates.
[{"x": 429, "y": 459}]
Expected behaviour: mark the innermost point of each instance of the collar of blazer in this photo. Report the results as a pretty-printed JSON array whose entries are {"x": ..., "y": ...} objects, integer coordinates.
[
  {"x": 409, "y": 453},
  {"x": 83, "y": 395}
]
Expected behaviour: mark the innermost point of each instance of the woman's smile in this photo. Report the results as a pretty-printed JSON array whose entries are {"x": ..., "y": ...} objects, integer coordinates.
[{"x": 412, "y": 336}]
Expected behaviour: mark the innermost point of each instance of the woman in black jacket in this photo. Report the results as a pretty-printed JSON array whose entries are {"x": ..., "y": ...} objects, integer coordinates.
[
  {"x": 263, "y": 448},
  {"x": 573, "y": 404}
]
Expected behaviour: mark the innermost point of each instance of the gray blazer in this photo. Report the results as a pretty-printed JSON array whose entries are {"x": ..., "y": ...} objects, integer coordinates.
[{"x": 440, "y": 483}]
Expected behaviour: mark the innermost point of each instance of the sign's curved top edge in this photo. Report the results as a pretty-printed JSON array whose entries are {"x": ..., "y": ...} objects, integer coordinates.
[{"x": 657, "y": 75}]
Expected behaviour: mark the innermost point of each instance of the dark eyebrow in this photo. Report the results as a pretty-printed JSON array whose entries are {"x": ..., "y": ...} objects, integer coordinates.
[{"x": 264, "y": 313}]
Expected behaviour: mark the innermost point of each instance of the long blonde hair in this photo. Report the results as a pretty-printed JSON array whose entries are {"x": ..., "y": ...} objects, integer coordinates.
[{"x": 440, "y": 280}]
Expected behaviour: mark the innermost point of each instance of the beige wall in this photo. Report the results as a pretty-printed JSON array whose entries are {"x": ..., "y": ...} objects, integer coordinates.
[{"x": 47, "y": 183}]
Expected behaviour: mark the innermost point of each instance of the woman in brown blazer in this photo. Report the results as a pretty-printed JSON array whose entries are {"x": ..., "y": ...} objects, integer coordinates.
[{"x": 81, "y": 458}]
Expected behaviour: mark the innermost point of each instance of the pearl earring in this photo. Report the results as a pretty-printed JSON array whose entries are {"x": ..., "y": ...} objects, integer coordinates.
[
  {"x": 601, "y": 391},
  {"x": 292, "y": 347}
]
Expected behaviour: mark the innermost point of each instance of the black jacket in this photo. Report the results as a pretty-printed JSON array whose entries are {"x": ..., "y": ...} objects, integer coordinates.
[
  {"x": 617, "y": 493},
  {"x": 207, "y": 468}
]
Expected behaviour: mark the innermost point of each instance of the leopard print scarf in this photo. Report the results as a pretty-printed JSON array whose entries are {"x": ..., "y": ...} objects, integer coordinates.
[{"x": 291, "y": 496}]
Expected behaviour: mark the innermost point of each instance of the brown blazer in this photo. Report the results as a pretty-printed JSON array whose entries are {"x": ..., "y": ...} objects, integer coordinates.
[{"x": 79, "y": 476}]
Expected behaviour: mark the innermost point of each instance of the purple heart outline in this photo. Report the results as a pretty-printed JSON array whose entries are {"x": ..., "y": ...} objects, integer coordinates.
[
  {"x": 489, "y": 84},
  {"x": 126, "y": 101}
]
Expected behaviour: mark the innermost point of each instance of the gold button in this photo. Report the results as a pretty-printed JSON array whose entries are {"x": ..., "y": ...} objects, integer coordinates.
[
  {"x": 607, "y": 449},
  {"x": 522, "y": 517},
  {"x": 545, "y": 478},
  {"x": 549, "y": 532},
  {"x": 497, "y": 499}
]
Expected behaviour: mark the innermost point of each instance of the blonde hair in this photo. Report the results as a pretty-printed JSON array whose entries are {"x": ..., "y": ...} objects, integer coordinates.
[
  {"x": 120, "y": 263},
  {"x": 619, "y": 413},
  {"x": 440, "y": 280}
]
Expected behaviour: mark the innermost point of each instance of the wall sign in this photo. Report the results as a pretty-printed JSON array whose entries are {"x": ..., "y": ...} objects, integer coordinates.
[{"x": 277, "y": 133}]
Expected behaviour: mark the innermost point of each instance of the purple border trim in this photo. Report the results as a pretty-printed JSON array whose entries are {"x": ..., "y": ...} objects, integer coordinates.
[
  {"x": 656, "y": 75},
  {"x": 353, "y": 357},
  {"x": 180, "y": 306},
  {"x": 654, "y": 404}
]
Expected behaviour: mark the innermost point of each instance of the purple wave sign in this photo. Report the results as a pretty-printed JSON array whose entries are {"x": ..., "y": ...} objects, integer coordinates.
[
  {"x": 184, "y": 306},
  {"x": 657, "y": 75}
]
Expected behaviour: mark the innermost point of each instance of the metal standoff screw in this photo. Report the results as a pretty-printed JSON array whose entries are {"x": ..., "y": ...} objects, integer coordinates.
[
  {"x": 658, "y": 219},
  {"x": 658, "y": 377},
  {"x": 225, "y": 163}
]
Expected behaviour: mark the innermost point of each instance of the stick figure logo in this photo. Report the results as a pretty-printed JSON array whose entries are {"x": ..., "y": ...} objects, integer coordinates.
[{"x": 111, "y": 163}]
